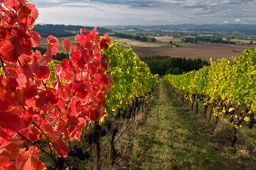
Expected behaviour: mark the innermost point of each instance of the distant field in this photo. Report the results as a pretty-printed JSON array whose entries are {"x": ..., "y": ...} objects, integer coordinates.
[
  {"x": 167, "y": 39},
  {"x": 136, "y": 43},
  {"x": 203, "y": 51},
  {"x": 242, "y": 41}
]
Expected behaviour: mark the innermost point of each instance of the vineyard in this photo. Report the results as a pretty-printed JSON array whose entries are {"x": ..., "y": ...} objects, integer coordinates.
[
  {"x": 97, "y": 108},
  {"x": 228, "y": 89}
]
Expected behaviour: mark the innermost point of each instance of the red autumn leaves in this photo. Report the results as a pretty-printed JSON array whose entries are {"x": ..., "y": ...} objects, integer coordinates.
[
  {"x": 31, "y": 108},
  {"x": 104, "y": 42}
]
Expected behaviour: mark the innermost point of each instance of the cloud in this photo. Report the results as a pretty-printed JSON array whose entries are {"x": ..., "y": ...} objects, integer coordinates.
[
  {"x": 145, "y": 12},
  {"x": 237, "y": 20}
]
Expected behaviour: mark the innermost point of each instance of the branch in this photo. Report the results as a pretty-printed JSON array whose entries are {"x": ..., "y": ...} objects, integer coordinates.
[
  {"x": 2, "y": 63},
  {"x": 20, "y": 64},
  {"x": 34, "y": 144},
  {"x": 47, "y": 138}
]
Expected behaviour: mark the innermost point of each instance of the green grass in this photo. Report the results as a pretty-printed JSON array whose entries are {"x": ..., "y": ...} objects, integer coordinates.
[{"x": 172, "y": 138}]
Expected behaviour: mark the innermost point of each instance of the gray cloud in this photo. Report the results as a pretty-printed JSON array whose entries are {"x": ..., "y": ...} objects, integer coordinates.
[{"x": 145, "y": 12}]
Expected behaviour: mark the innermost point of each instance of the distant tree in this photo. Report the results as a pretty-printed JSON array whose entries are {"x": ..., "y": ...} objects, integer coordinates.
[
  {"x": 153, "y": 39},
  {"x": 144, "y": 39},
  {"x": 169, "y": 65}
]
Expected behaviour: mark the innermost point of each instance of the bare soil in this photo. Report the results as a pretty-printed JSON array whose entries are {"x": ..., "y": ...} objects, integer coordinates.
[{"x": 203, "y": 51}]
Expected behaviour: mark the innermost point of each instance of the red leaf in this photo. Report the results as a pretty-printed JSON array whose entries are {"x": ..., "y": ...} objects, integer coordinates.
[
  {"x": 11, "y": 120},
  {"x": 62, "y": 148},
  {"x": 86, "y": 56},
  {"x": 30, "y": 91},
  {"x": 94, "y": 114},
  {"x": 47, "y": 56},
  {"x": 33, "y": 162},
  {"x": 23, "y": 11},
  {"x": 81, "y": 89},
  {"x": 50, "y": 132},
  {"x": 97, "y": 52},
  {"x": 12, "y": 72},
  {"x": 31, "y": 133},
  {"x": 28, "y": 15},
  {"x": 66, "y": 64},
  {"x": 104, "y": 42},
  {"x": 5, "y": 162},
  {"x": 21, "y": 41},
  {"x": 53, "y": 98},
  {"x": 27, "y": 71},
  {"x": 67, "y": 45},
  {"x": 92, "y": 69},
  {"x": 6, "y": 136},
  {"x": 66, "y": 75},
  {"x": 12, "y": 84},
  {"x": 101, "y": 98},
  {"x": 34, "y": 134},
  {"x": 42, "y": 100},
  {"x": 104, "y": 62},
  {"x": 97, "y": 78},
  {"x": 41, "y": 71},
  {"x": 25, "y": 59},
  {"x": 75, "y": 134},
  {"x": 72, "y": 107},
  {"x": 35, "y": 38},
  {"x": 36, "y": 56},
  {"x": 4, "y": 104},
  {"x": 7, "y": 50},
  {"x": 11, "y": 151},
  {"x": 53, "y": 44},
  {"x": 21, "y": 158},
  {"x": 105, "y": 79}
]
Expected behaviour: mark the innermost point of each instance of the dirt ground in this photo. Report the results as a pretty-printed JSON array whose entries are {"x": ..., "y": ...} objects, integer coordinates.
[{"x": 203, "y": 51}]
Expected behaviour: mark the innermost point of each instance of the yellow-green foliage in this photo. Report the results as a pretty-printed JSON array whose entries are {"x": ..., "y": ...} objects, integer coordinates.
[
  {"x": 233, "y": 84},
  {"x": 131, "y": 77}
]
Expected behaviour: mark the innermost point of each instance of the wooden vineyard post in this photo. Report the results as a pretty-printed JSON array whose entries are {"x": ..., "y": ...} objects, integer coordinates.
[
  {"x": 112, "y": 146},
  {"x": 205, "y": 110},
  {"x": 98, "y": 154},
  {"x": 233, "y": 138},
  {"x": 97, "y": 132},
  {"x": 197, "y": 102},
  {"x": 210, "y": 115},
  {"x": 193, "y": 100}
]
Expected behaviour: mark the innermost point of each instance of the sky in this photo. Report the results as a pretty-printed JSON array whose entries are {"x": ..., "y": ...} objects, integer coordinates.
[{"x": 145, "y": 12}]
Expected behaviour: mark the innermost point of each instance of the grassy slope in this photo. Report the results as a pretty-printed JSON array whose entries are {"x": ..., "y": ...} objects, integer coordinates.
[{"x": 172, "y": 139}]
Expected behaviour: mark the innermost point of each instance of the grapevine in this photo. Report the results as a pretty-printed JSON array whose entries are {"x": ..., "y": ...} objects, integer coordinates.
[
  {"x": 228, "y": 88},
  {"x": 45, "y": 107}
]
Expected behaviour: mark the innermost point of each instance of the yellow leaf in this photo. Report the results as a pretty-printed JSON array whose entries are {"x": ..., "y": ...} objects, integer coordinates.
[
  {"x": 247, "y": 119},
  {"x": 231, "y": 109}
]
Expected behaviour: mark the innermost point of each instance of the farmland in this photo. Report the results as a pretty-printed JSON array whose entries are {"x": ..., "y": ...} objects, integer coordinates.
[{"x": 203, "y": 51}]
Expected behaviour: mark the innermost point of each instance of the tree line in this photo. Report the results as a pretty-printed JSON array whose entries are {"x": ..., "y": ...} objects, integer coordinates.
[
  {"x": 63, "y": 30},
  {"x": 172, "y": 65}
]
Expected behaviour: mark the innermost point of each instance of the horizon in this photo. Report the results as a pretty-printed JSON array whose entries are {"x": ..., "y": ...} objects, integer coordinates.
[
  {"x": 145, "y": 25},
  {"x": 145, "y": 12}
]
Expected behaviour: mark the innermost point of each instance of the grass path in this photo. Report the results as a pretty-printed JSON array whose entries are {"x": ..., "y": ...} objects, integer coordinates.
[{"x": 172, "y": 139}]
